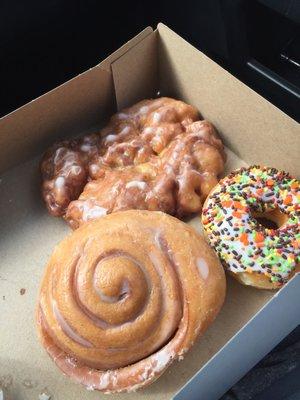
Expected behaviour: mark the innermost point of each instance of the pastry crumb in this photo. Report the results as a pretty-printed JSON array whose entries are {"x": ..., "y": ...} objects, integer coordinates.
[
  {"x": 22, "y": 291},
  {"x": 44, "y": 396},
  {"x": 28, "y": 383}
]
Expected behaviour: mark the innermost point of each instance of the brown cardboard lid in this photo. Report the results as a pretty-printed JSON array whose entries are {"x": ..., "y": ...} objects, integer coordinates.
[{"x": 152, "y": 61}]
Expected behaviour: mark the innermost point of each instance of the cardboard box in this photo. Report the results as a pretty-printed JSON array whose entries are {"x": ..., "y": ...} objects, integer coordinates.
[{"x": 251, "y": 321}]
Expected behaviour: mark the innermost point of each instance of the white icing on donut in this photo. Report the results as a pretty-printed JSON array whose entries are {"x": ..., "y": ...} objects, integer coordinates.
[{"x": 240, "y": 241}]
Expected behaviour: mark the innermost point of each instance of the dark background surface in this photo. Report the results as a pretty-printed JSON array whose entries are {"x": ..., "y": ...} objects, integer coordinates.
[{"x": 43, "y": 44}]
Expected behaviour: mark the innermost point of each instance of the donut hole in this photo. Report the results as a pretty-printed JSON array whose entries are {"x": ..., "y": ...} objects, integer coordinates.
[{"x": 271, "y": 219}]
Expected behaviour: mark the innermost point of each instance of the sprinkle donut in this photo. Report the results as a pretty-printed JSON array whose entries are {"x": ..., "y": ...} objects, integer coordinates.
[{"x": 254, "y": 254}]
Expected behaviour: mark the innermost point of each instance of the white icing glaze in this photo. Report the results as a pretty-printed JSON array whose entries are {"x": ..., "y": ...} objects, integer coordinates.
[
  {"x": 86, "y": 147},
  {"x": 66, "y": 155},
  {"x": 157, "y": 264},
  {"x": 136, "y": 184},
  {"x": 91, "y": 211},
  {"x": 148, "y": 130},
  {"x": 122, "y": 115},
  {"x": 157, "y": 235},
  {"x": 71, "y": 361},
  {"x": 58, "y": 156},
  {"x": 115, "y": 189},
  {"x": 202, "y": 267},
  {"x": 125, "y": 130},
  {"x": 144, "y": 110},
  {"x": 111, "y": 138},
  {"x": 66, "y": 328},
  {"x": 114, "y": 378},
  {"x": 161, "y": 359},
  {"x": 104, "y": 380},
  {"x": 146, "y": 373},
  {"x": 237, "y": 245},
  {"x": 94, "y": 168},
  {"x": 75, "y": 170},
  {"x": 59, "y": 183},
  {"x": 156, "y": 117}
]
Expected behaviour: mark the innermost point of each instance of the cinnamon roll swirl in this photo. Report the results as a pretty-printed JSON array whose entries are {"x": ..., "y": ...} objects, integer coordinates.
[{"x": 125, "y": 295}]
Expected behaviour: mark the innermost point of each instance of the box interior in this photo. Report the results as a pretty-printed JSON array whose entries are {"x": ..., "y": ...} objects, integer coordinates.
[{"x": 153, "y": 63}]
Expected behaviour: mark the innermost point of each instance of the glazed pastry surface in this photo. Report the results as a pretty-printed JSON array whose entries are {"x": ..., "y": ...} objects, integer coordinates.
[
  {"x": 125, "y": 295},
  {"x": 155, "y": 155}
]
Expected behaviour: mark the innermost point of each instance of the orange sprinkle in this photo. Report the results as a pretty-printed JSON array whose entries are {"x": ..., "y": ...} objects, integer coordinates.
[
  {"x": 237, "y": 214},
  {"x": 260, "y": 192},
  {"x": 270, "y": 182},
  {"x": 295, "y": 244},
  {"x": 294, "y": 185},
  {"x": 226, "y": 203},
  {"x": 259, "y": 237},
  {"x": 238, "y": 205},
  {"x": 244, "y": 239},
  {"x": 288, "y": 199}
]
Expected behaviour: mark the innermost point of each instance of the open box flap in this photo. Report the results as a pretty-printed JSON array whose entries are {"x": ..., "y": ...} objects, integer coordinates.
[
  {"x": 106, "y": 63},
  {"x": 135, "y": 73}
]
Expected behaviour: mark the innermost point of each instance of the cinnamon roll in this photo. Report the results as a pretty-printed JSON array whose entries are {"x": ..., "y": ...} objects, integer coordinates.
[{"x": 124, "y": 296}]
